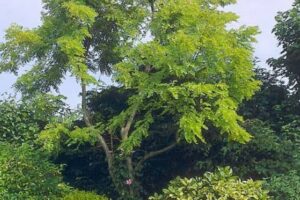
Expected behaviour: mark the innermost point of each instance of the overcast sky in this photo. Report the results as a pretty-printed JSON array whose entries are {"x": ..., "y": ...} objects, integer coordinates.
[{"x": 259, "y": 13}]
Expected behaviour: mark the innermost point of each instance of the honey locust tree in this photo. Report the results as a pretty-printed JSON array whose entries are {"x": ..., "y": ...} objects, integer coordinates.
[
  {"x": 77, "y": 37},
  {"x": 193, "y": 68},
  {"x": 178, "y": 58}
]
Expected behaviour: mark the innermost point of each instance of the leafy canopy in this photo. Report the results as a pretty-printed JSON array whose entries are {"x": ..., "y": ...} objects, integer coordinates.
[
  {"x": 193, "y": 68},
  {"x": 76, "y": 36}
]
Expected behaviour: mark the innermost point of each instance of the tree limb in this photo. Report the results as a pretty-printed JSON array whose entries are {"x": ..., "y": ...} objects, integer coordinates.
[
  {"x": 155, "y": 153},
  {"x": 125, "y": 130},
  {"x": 84, "y": 104},
  {"x": 88, "y": 123}
]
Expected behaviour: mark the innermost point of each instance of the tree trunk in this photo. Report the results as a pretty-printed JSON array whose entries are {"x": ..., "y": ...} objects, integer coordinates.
[{"x": 107, "y": 151}]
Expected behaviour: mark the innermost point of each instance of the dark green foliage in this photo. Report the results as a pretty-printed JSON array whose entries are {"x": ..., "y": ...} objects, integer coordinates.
[
  {"x": 85, "y": 169},
  {"x": 21, "y": 121},
  {"x": 285, "y": 186},
  {"x": 107, "y": 103},
  {"x": 273, "y": 103},
  {"x": 287, "y": 31},
  {"x": 26, "y": 173},
  {"x": 266, "y": 103},
  {"x": 267, "y": 154},
  {"x": 18, "y": 124}
]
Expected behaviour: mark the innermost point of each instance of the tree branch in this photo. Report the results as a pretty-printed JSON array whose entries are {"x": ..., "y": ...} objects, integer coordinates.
[
  {"x": 151, "y": 2},
  {"x": 124, "y": 135},
  {"x": 86, "y": 117},
  {"x": 84, "y": 104},
  {"x": 155, "y": 153},
  {"x": 125, "y": 130},
  {"x": 88, "y": 123}
]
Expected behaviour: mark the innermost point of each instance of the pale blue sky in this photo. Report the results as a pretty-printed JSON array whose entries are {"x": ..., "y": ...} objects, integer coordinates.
[{"x": 252, "y": 12}]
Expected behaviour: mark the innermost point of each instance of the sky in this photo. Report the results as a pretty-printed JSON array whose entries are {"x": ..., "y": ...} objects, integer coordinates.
[{"x": 259, "y": 13}]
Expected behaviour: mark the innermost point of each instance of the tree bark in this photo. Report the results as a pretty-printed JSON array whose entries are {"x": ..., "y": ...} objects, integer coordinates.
[
  {"x": 107, "y": 151},
  {"x": 86, "y": 117},
  {"x": 84, "y": 104},
  {"x": 124, "y": 134}
]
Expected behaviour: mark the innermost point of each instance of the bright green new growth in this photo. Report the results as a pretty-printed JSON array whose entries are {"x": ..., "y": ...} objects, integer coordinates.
[
  {"x": 220, "y": 185},
  {"x": 50, "y": 137},
  {"x": 55, "y": 48},
  {"x": 193, "y": 68}
]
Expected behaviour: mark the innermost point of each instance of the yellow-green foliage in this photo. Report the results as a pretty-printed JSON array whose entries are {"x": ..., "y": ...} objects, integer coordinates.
[
  {"x": 221, "y": 185},
  {"x": 81, "y": 195},
  {"x": 194, "y": 68},
  {"x": 51, "y": 136},
  {"x": 57, "y": 46}
]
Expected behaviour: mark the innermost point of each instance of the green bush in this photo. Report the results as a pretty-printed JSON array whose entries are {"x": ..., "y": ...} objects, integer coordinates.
[
  {"x": 18, "y": 124},
  {"x": 219, "y": 185},
  {"x": 267, "y": 154},
  {"x": 26, "y": 173},
  {"x": 21, "y": 121},
  {"x": 81, "y": 195},
  {"x": 285, "y": 186}
]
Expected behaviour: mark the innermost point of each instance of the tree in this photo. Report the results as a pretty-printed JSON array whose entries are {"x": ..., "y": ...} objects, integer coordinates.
[
  {"x": 271, "y": 102},
  {"x": 75, "y": 37},
  {"x": 193, "y": 69},
  {"x": 190, "y": 71},
  {"x": 287, "y": 31}
]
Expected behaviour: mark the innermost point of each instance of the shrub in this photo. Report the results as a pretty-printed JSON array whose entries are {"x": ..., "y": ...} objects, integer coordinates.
[
  {"x": 267, "y": 154},
  {"x": 81, "y": 195},
  {"x": 26, "y": 173},
  {"x": 219, "y": 185},
  {"x": 18, "y": 124},
  {"x": 21, "y": 121},
  {"x": 285, "y": 186}
]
